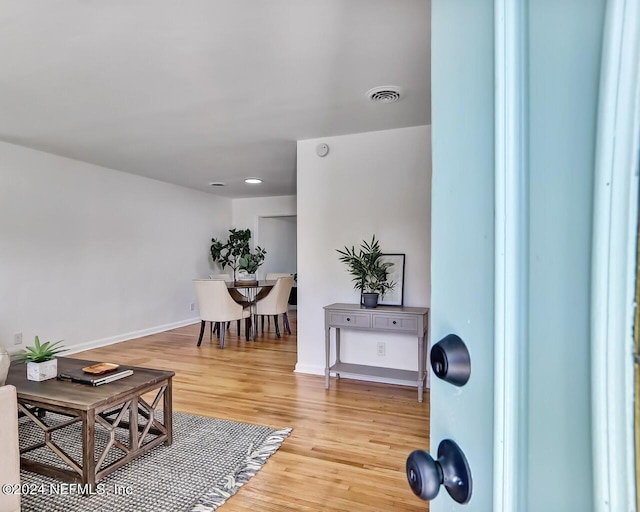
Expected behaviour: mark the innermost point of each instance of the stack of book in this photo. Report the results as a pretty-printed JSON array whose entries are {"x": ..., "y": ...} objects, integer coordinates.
[{"x": 86, "y": 376}]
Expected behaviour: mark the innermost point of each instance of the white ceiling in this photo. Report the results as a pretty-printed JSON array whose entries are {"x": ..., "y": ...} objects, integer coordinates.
[{"x": 195, "y": 91}]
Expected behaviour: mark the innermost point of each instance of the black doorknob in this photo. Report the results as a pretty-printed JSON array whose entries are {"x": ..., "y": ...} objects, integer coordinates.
[{"x": 425, "y": 475}]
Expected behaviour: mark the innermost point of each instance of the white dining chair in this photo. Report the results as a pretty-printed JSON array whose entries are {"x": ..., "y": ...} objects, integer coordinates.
[
  {"x": 217, "y": 306},
  {"x": 227, "y": 278},
  {"x": 235, "y": 294},
  {"x": 275, "y": 303},
  {"x": 221, "y": 277},
  {"x": 271, "y": 276}
]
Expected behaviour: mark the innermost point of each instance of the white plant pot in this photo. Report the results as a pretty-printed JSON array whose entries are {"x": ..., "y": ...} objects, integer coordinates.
[{"x": 42, "y": 371}]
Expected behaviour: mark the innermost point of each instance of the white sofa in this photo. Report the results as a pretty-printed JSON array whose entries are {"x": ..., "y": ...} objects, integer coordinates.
[{"x": 9, "y": 448}]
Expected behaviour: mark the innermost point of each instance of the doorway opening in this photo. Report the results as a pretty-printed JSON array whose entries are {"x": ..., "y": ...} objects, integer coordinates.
[{"x": 279, "y": 234}]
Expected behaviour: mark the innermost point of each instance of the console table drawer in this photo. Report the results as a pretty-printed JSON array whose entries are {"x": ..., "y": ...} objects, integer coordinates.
[
  {"x": 396, "y": 323},
  {"x": 350, "y": 320}
]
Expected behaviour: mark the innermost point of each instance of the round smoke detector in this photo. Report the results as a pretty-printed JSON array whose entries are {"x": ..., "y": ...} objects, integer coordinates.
[{"x": 385, "y": 94}]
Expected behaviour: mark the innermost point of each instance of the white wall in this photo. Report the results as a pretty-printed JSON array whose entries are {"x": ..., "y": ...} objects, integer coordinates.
[
  {"x": 279, "y": 236},
  {"x": 248, "y": 211},
  {"x": 369, "y": 183},
  {"x": 92, "y": 255}
]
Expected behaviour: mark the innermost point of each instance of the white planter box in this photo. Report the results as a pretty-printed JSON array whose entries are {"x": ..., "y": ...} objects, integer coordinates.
[{"x": 42, "y": 371}]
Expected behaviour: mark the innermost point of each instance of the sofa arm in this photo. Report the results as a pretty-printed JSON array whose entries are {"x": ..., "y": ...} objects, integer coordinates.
[{"x": 9, "y": 447}]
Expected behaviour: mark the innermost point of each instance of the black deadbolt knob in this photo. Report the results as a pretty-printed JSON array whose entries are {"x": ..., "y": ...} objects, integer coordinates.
[
  {"x": 450, "y": 360},
  {"x": 439, "y": 362}
]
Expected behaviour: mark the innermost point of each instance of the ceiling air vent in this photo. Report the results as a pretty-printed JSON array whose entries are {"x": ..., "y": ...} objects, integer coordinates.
[{"x": 385, "y": 94}]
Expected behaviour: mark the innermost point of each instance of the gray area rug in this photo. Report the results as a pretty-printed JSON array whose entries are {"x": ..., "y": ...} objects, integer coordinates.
[{"x": 209, "y": 460}]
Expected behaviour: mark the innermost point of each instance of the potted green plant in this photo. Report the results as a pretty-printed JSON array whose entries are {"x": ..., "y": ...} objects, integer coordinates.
[
  {"x": 41, "y": 360},
  {"x": 250, "y": 263},
  {"x": 236, "y": 253},
  {"x": 370, "y": 273}
]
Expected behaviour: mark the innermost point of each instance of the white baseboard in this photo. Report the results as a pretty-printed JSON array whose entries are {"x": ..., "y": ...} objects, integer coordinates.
[
  {"x": 81, "y": 347},
  {"x": 319, "y": 370},
  {"x": 309, "y": 369}
]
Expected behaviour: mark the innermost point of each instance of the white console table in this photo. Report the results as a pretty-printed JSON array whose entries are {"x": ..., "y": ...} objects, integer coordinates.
[{"x": 392, "y": 319}]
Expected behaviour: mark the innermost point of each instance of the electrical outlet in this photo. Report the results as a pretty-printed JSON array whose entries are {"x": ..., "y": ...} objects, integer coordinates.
[
  {"x": 17, "y": 338},
  {"x": 192, "y": 306},
  {"x": 381, "y": 348}
]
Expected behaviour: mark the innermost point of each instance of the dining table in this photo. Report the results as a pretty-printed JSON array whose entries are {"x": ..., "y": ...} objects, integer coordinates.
[{"x": 251, "y": 290}]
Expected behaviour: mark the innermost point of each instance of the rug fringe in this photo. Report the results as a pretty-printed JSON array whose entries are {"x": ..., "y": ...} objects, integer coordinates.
[{"x": 255, "y": 459}]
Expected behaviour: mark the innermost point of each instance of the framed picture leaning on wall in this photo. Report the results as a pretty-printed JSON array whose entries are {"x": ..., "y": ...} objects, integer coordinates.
[{"x": 394, "y": 297}]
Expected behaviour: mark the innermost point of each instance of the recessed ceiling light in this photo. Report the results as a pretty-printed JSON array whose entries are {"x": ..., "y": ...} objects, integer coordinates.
[
  {"x": 253, "y": 181},
  {"x": 216, "y": 184}
]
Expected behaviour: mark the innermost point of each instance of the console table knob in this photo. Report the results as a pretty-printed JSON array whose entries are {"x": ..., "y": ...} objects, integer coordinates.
[
  {"x": 348, "y": 319},
  {"x": 394, "y": 322}
]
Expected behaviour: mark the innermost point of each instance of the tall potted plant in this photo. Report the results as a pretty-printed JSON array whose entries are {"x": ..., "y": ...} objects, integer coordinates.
[
  {"x": 228, "y": 254},
  {"x": 370, "y": 273}
]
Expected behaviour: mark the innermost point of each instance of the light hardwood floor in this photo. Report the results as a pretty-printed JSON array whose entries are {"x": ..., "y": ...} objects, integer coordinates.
[{"x": 349, "y": 444}]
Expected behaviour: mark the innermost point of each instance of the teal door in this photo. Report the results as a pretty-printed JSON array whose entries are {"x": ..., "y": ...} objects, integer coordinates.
[
  {"x": 462, "y": 267},
  {"x": 514, "y": 110}
]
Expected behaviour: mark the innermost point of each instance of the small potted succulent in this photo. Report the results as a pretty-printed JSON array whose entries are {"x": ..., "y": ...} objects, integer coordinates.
[
  {"x": 370, "y": 273},
  {"x": 41, "y": 360}
]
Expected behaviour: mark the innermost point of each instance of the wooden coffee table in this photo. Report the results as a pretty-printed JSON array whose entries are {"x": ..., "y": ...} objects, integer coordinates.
[{"x": 105, "y": 405}]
